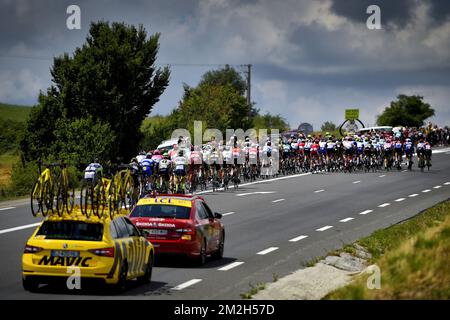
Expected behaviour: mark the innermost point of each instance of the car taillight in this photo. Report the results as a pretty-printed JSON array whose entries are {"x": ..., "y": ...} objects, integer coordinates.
[
  {"x": 104, "y": 252},
  {"x": 187, "y": 233},
  {"x": 32, "y": 249}
]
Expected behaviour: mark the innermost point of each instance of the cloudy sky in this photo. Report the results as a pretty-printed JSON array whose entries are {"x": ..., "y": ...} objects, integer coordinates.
[{"x": 311, "y": 59}]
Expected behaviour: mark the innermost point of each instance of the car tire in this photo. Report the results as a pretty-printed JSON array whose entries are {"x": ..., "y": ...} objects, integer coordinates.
[
  {"x": 147, "y": 277},
  {"x": 30, "y": 285},
  {"x": 201, "y": 260},
  {"x": 219, "y": 253},
  {"x": 120, "y": 286}
]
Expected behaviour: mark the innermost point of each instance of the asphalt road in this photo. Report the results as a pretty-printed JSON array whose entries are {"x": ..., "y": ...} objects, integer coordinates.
[{"x": 268, "y": 235}]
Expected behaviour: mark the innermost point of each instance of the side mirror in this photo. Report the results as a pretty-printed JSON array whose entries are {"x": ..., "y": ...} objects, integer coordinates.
[
  {"x": 144, "y": 233},
  {"x": 217, "y": 215}
]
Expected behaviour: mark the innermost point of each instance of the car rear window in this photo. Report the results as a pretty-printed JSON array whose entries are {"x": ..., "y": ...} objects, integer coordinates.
[
  {"x": 71, "y": 230},
  {"x": 161, "y": 211}
]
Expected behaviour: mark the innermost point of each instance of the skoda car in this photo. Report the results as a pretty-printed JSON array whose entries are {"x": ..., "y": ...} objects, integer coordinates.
[
  {"x": 111, "y": 251},
  {"x": 180, "y": 224}
]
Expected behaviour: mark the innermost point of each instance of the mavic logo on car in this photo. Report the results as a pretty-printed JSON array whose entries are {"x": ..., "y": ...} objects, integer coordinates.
[
  {"x": 166, "y": 201},
  {"x": 65, "y": 261}
]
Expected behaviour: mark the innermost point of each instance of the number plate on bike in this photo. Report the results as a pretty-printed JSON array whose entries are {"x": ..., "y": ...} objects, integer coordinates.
[
  {"x": 65, "y": 253},
  {"x": 159, "y": 232}
]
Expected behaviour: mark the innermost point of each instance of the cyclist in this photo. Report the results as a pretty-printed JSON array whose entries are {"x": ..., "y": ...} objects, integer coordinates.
[
  {"x": 93, "y": 172},
  {"x": 156, "y": 157},
  {"x": 134, "y": 173},
  {"x": 398, "y": 151},
  {"x": 147, "y": 165},
  {"x": 409, "y": 150},
  {"x": 180, "y": 163},
  {"x": 141, "y": 156},
  {"x": 164, "y": 172}
]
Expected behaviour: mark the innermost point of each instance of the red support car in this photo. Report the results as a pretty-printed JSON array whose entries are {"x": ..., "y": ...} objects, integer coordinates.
[{"x": 180, "y": 224}]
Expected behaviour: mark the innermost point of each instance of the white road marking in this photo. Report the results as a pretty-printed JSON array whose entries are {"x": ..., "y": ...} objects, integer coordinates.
[
  {"x": 413, "y": 195},
  {"x": 230, "y": 266},
  {"x": 346, "y": 219},
  {"x": 384, "y": 205},
  {"x": 298, "y": 238},
  {"x": 261, "y": 181},
  {"x": 186, "y": 284},
  {"x": 447, "y": 183},
  {"x": 252, "y": 193},
  {"x": 228, "y": 213},
  {"x": 382, "y": 176},
  {"x": 268, "y": 250},
  {"x": 20, "y": 228},
  {"x": 324, "y": 228},
  {"x": 7, "y": 208},
  {"x": 399, "y": 199},
  {"x": 278, "y": 200},
  {"x": 405, "y": 170},
  {"x": 366, "y": 212},
  {"x": 437, "y": 187},
  {"x": 426, "y": 190},
  {"x": 318, "y": 191},
  {"x": 355, "y": 182}
]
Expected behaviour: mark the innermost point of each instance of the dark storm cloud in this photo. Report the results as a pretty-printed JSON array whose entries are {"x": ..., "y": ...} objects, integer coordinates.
[{"x": 398, "y": 12}]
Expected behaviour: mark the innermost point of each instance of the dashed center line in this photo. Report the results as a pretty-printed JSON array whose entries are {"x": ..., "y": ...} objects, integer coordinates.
[
  {"x": 278, "y": 200},
  {"x": 405, "y": 170},
  {"x": 298, "y": 238},
  {"x": 355, "y": 182},
  {"x": 324, "y": 228},
  {"x": 268, "y": 250},
  {"x": 413, "y": 195},
  {"x": 426, "y": 190},
  {"x": 228, "y": 213},
  {"x": 346, "y": 219},
  {"x": 437, "y": 187},
  {"x": 400, "y": 199},
  {"x": 186, "y": 284},
  {"x": 230, "y": 266},
  {"x": 19, "y": 228},
  {"x": 318, "y": 191},
  {"x": 7, "y": 208},
  {"x": 366, "y": 212},
  {"x": 447, "y": 183},
  {"x": 382, "y": 176},
  {"x": 384, "y": 205}
]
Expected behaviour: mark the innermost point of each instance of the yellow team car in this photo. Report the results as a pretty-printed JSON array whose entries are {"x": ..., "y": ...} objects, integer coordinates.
[{"x": 112, "y": 251}]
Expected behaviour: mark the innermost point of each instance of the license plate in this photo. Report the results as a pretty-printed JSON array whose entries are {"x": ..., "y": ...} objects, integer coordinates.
[
  {"x": 159, "y": 232},
  {"x": 65, "y": 253}
]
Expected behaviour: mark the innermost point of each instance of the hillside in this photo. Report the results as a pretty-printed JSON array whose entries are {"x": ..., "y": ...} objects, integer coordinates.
[{"x": 14, "y": 112}]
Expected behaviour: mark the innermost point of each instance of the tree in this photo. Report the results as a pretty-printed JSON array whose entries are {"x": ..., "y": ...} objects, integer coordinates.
[
  {"x": 82, "y": 140},
  {"x": 225, "y": 76},
  {"x": 111, "y": 78},
  {"x": 328, "y": 126},
  {"x": 156, "y": 129},
  {"x": 217, "y": 106},
  {"x": 269, "y": 121},
  {"x": 409, "y": 111}
]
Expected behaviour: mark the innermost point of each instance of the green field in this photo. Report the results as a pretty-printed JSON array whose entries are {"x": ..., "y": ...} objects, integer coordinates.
[
  {"x": 414, "y": 259},
  {"x": 14, "y": 112}
]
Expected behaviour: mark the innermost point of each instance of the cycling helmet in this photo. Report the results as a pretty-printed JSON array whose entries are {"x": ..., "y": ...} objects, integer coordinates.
[
  {"x": 157, "y": 152},
  {"x": 133, "y": 160},
  {"x": 408, "y": 140},
  {"x": 166, "y": 155},
  {"x": 149, "y": 155},
  {"x": 180, "y": 153}
]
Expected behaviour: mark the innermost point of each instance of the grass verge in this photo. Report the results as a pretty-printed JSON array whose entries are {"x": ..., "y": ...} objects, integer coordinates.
[{"x": 414, "y": 259}]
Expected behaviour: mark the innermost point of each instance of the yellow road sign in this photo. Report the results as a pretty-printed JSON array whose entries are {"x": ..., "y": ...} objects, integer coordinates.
[{"x": 351, "y": 114}]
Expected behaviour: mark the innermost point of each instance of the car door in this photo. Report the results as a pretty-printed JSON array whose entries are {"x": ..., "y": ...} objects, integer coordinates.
[
  {"x": 136, "y": 248},
  {"x": 204, "y": 226},
  {"x": 213, "y": 227}
]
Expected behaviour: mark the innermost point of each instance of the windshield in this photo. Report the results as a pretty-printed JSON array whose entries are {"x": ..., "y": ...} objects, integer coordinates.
[
  {"x": 161, "y": 211},
  {"x": 71, "y": 230}
]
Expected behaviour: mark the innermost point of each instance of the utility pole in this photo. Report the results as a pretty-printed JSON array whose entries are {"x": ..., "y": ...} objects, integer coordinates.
[{"x": 249, "y": 84}]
